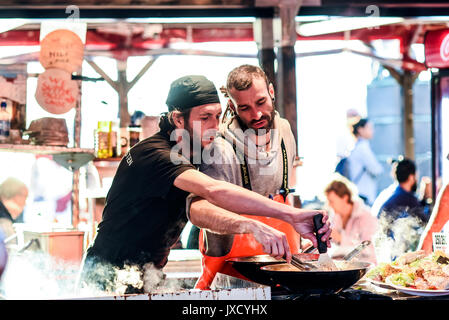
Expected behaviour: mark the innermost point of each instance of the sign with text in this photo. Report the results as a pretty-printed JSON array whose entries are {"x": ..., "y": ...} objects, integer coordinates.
[
  {"x": 439, "y": 240},
  {"x": 56, "y": 92},
  {"x": 62, "y": 49}
]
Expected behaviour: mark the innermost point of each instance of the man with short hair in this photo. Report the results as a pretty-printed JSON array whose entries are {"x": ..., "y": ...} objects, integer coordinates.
[
  {"x": 403, "y": 202},
  {"x": 402, "y": 217},
  {"x": 255, "y": 149},
  {"x": 145, "y": 208}
]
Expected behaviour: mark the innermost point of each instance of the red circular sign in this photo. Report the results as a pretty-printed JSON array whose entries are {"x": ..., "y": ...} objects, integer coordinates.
[{"x": 56, "y": 92}]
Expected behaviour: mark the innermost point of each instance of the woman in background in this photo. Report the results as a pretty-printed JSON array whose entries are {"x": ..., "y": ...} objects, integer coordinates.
[
  {"x": 363, "y": 166},
  {"x": 352, "y": 222}
]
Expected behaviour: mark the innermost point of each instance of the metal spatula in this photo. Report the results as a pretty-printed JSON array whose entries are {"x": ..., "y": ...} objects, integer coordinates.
[{"x": 324, "y": 260}]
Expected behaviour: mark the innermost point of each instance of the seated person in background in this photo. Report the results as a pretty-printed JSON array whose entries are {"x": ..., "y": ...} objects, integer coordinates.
[
  {"x": 404, "y": 202},
  {"x": 13, "y": 196},
  {"x": 352, "y": 222}
]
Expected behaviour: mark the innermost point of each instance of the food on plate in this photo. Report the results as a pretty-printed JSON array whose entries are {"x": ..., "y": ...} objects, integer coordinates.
[
  {"x": 410, "y": 257},
  {"x": 415, "y": 270}
]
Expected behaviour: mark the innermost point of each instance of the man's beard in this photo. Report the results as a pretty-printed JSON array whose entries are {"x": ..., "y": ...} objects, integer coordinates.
[
  {"x": 196, "y": 142},
  {"x": 414, "y": 187},
  {"x": 193, "y": 137},
  {"x": 259, "y": 131}
]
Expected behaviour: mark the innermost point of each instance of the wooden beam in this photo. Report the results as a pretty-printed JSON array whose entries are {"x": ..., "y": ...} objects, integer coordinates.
[
  {"x": 141, "y": 73},
  {"x": 100, "y": 71},
  {"x": 122, "y": 86}
]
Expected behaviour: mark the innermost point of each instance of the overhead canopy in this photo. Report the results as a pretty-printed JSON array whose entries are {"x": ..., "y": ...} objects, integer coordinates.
[{"x": 215, "y": 8}]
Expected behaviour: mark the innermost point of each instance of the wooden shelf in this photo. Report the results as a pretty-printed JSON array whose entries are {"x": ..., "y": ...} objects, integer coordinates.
[
  {"x": 41, "y": 149},
  {"x": 107, "y": 161},
  {"x": 70, "y": 158}
]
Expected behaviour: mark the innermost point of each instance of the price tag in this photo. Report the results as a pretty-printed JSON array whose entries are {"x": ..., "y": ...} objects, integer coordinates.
[{"x": 440, "y": 240}]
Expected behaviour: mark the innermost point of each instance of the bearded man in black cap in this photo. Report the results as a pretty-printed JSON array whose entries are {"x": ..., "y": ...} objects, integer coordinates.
[{"x": 145, "y": 209}]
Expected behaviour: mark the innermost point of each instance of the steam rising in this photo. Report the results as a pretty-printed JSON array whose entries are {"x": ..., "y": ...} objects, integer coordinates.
[
  {"x": 406, "y": 230},
  {"x": 36, "y": 275}
]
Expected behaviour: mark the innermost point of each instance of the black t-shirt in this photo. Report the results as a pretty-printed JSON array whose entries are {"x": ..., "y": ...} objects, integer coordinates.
[
  {"x": 144, "y": 212},
  {"x": 403, "y": 203}
]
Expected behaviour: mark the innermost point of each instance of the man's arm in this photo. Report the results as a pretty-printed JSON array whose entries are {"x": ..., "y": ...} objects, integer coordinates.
[
  {"x": 205, "y": 215},
  {"x": 242, "y": 201}
]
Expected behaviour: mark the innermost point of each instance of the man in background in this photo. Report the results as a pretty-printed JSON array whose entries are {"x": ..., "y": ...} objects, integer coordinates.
[
  {"x": 403, "y": 217},
  {"x": 13, "y": 196},
  {"x": 404, "y": 202}
]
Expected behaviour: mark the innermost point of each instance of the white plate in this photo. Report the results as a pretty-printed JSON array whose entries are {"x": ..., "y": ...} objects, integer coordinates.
[
  {"x": 410, "y": 291},
  {"x": 422, "y": 293},
  {"x": 380, "y": 284}
]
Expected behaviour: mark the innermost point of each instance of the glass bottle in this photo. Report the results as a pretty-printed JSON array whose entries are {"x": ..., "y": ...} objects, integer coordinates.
[
  {"x": 103, "y": 140},
  {"x": 134, "y": 134},
  {"x": 5, "y": 121}
]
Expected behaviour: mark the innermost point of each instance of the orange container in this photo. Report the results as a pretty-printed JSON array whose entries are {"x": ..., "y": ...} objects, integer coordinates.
[{"x": 63, "y": 245}]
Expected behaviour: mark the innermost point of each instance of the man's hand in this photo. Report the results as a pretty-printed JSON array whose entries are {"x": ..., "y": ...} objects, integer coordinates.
[
  {"x": 302, "y": 221},
  {"x": 274, "y": 242}
]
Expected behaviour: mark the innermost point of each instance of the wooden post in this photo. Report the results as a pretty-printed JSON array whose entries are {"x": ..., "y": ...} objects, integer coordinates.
[
  {"x": 76, "y": 173},
  {"x": 263, "y": 35},
  {"x": 436, "y": 119},
  {"x": 408, "y": 78},
  {"x": 122, "y": 89},
  {"x": 285, "y": 38}
]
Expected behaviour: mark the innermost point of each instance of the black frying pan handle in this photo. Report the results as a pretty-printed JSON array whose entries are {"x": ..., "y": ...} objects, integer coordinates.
[{"x": 318, "y": 224}]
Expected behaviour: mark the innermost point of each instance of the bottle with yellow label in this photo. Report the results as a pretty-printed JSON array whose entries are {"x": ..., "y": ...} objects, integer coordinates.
[{"x": 103, "y": 140}]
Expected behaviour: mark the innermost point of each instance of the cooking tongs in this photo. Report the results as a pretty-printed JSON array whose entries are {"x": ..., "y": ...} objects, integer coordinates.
[{"x": 301, "y": 264}]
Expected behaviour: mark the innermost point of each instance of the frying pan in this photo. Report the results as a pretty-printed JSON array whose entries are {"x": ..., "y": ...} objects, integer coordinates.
[
  {"x": 267, "y": 270},
  {"x": 250, "y": 267},
  {"x": 313, "y": 281}
]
